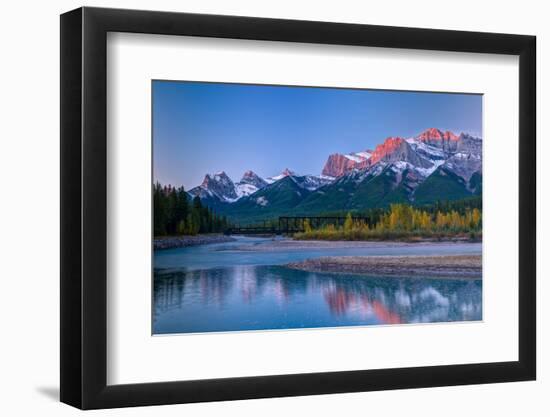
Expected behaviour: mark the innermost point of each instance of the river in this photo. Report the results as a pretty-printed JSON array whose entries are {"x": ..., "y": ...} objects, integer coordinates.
[{"x": 243, "y": 285}]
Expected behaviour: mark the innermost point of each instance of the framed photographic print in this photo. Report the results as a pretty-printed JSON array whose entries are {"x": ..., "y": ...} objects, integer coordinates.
[{"x": 258, "y": 207}]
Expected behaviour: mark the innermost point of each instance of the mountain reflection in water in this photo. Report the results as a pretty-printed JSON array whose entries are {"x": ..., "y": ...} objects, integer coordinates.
[{"x": 248, "y": 297}]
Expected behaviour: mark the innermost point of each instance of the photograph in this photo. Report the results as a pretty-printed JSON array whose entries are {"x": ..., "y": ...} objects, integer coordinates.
[{"x": 298, "y": 207}]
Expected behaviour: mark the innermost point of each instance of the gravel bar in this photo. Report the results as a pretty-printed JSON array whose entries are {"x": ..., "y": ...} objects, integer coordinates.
[{"x": 444, "y": 266}]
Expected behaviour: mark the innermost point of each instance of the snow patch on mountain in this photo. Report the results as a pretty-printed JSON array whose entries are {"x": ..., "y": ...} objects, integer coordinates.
[
  {"x": 354, "y": 158},
  {"x": 244, "y": 190},
  {"x": 262, "y": 201},
  {"x": 426, "y": 150},
  {"x": 364, "y": 154},
  {"x": 308, "y": 182},
  {"x": 313, "y": 182}
]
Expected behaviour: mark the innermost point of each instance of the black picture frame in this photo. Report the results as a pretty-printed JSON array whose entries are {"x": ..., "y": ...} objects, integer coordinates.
[{"x": 84, "y": 207}]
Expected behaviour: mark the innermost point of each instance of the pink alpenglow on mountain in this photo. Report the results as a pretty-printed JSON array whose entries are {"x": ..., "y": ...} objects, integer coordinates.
[
  {"x": 389, "y": 146},
  {"x": 339, "y": 164},
  {"x": 396, "y": 149},
  {"x": 447, "y": 140},
  {"x": 433, "y": 134}
]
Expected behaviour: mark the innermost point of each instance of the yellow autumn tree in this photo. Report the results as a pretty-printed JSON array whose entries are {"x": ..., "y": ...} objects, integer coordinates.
[
  {"x": 440, "y": 220},
  {"x": 417, "y": 220},
  {"x": 426, "y": 221},
  {"x": 307, "y": 226},
  {"x": 456, "y": 221},
  {"x": 476, "y": 218},
  {"x": 348, "y": 223},
  {"x": 393, "y": 220}
]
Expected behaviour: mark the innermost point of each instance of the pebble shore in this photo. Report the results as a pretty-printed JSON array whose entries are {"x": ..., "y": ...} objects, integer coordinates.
[{"x": 445, "y": 266}]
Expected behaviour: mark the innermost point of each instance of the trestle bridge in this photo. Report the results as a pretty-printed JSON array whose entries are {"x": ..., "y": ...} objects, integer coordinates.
[{"x": 292, "y": 224}]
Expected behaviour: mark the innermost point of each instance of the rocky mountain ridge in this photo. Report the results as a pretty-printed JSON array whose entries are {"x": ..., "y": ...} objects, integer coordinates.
[{"x": 397, "y": 170}]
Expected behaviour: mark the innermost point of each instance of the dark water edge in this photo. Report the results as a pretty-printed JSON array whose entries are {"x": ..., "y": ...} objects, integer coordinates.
[{"x": 172, "y": 242}]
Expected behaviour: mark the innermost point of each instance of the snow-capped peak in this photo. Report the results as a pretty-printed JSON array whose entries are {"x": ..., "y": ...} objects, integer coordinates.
[
  {"x": 218, "y": 185},
  {"x": 250, "y": 177},
  {"x": 249, "y": 184},
  {"x": 286, "y": 173}
]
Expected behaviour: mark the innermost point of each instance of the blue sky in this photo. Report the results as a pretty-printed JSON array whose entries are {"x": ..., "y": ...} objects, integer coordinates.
[{"x": 201, "y": 128}]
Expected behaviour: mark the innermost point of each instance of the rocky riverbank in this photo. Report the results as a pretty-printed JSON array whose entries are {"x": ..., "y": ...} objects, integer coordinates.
[
  {"x": 170, "y": 242},
  {"x": 445, "y": 266}
]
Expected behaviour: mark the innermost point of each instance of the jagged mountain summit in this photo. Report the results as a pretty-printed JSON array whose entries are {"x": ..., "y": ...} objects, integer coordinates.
[
  {"x": 426, "y": 151},
  {"x": 285, "y": 173},
  {"x": 249, "y": 184},
  {"x": 434, "y": 165},
  {"x": 338, "y": 164},
  {"x": 251, "y": 178},
  {"x": 444, "y": 140},
  {"x": 220, "y": 187}
]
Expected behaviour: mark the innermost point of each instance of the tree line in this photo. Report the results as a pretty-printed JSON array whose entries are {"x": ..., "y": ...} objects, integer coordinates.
[
  {"x": 445, "y": 206},
  {"x": 403, "y": 221},
  {"x": 175, "y": 213}
]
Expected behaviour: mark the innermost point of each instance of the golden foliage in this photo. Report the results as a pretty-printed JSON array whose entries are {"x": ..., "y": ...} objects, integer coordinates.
[{"x": 401, "y": 221}]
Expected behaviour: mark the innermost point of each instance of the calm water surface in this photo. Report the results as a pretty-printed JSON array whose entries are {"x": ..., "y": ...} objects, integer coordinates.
[{"x": 225, "y": 287}]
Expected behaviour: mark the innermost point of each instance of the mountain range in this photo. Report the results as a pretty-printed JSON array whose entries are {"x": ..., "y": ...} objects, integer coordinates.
[{"x": 434, "y": 165}]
